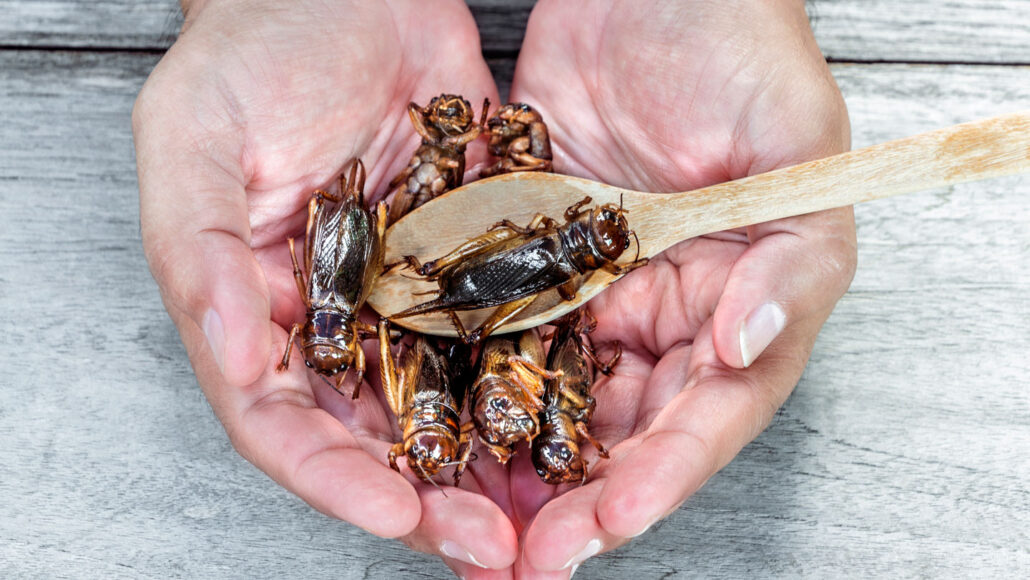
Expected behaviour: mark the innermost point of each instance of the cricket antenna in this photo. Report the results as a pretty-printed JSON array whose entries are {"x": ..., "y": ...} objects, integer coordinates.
[
  {"x": 330, "y": 384},
  {"x": 425, "y": 477},
  {"x": 637, "y": 257}
]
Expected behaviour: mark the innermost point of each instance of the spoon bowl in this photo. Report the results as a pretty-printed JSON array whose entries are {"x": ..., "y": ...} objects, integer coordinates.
[{"x": 979, "y": 150}]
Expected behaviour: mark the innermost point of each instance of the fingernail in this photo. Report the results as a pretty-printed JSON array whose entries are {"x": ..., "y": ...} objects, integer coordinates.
[
  {"x": 760, "y": 328},
  {"x": 573, "y": 572},
  {"x": 646, "y": 527},
  {"x": 453, "y": 550},
  {"x": 215, "y": 333},
  {"x": 591, "y": 549}
]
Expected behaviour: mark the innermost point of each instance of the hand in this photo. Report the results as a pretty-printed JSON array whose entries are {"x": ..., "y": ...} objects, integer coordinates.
[
  {"x": 258, "y": 103},
  {"x": 716, "y": 331}
]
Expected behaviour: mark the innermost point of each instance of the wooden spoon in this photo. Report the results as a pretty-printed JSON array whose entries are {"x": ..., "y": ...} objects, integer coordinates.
[{"x": 979, "y": 150}]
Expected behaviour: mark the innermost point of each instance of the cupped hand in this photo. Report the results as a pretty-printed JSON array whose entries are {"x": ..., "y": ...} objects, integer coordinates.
[
  {"x": 258, "y": 103},
  {"x": 671, "y": 96}
]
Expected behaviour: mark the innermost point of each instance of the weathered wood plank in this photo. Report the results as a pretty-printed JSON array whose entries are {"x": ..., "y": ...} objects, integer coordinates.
[
  {"x": 127, "y": 24},
  {"x": 847, "y": 30},
  {"x": 923, "y": 30},
  {"x": 901, "y": 453}
]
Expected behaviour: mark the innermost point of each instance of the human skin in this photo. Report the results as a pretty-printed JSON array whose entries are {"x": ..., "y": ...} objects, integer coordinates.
[
  {"x": 672, "y": 96},
  {"x": 259, "y": 102}
]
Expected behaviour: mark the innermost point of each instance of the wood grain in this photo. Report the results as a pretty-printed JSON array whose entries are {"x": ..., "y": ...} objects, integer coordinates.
[
  {"x": 922, "y": 30},
  {"x": 952, "y": 31},
  {"x": 902, "y": 452}
]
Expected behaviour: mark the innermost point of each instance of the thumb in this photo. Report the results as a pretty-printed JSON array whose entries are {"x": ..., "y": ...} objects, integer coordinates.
[
  {"x": 792, "y": 274},
  {"x": 196, "y": 237}
]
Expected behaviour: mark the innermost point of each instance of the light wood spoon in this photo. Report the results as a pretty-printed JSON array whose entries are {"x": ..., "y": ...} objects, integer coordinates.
[{"x": 979, "y": 150}]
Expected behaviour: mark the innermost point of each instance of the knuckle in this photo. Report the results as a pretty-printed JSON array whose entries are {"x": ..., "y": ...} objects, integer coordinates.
[{"x": 839, "y": 262}]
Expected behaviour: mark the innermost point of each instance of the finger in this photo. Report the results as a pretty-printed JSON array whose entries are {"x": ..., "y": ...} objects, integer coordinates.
[
  {"x": 464, "y": 526},
  {"x": 196, "y": 232},
  {"x": 491, "y": 478},
  {"x": 471, "y": 572},
  {"x": 564, "y": 534},
  {"x": 276, "y": 424},
  {"x": 528, "y": 492},
  {"x": 524, "y": 571},
  {"x": 718, "y": 411},
  {"x": 794, "y": 272}
]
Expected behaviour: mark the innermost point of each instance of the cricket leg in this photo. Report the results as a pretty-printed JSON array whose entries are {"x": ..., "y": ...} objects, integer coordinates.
[
  {"x": 396, "y": 451},
  {"x": 606, "y": 367},
  {"x": 285, "y": 363},
  {"x": 459, "y": 327},
  {"x": 392, "y": 383},
  {"x": 624, "y": 269},
  {"x": 464, "y": 450},
  {"x": 355, "y": 186},
  {"x": 498, "y": 317},
  {"x": 465, "y": 251},
  {"x": 502, "y": 453},
  {"x": 573, "y": 211},
  {"x": 298, "y": 276},
  {"x": 359, "y": 359},
  {"x": 568, "y": 290},
  {"x": 581, "y": 428}
]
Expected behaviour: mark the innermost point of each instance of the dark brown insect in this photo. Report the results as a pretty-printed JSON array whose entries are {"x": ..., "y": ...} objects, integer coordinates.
[
  {"x": 343, "y": 255},
  {"x": 519, "y": 137},
  {"x": 446, "y": 126},
  {"x": 505, "y": 398},
  {"x": 568, "y": 403},
  {"x": 422, "y": 397},
  {"x": 509, "y": 266}
]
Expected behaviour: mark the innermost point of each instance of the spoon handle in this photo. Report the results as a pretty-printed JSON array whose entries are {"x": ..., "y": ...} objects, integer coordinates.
[{"x": 978, "y": 150}]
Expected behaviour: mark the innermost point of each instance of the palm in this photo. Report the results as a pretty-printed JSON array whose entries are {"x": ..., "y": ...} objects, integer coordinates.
[
  {"x": 299, "y": 94},
  {"x": 718, "y": 115}
]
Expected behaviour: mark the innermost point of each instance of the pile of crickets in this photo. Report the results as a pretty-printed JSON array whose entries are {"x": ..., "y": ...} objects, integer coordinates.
[{"x": 516, "y": 391}]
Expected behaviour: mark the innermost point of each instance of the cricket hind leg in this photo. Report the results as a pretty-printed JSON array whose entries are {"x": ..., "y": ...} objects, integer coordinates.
[
  {"x": 393, "y": 383},
  {"x": 298, "y": 276},
  {"x": 355, "y": 186},
  {"x": 539, "y": 222},
  {"x": 499, "y": 317},
  {"x": 464, "y": 251},
  {"x": 402, "y": 202},
  {"x": 458, "y": 326},
  {"x": 285, "y": 362}
]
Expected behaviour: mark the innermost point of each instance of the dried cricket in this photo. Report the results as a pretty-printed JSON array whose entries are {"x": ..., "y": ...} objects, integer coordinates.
[
  {"x": 519, "y": 137},
  {"x": 343, "y": 255},
  {"x": 423, "y": 398},
  {"x": 568, "y": 403},
  {"x": 446, "y": 126},
  {"x": 505, "y": 399},
  {"x": 509, "y": 266}
]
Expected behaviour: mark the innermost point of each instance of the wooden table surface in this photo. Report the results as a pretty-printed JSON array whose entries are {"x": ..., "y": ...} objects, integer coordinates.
[{"x": 904, "y": 451}]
